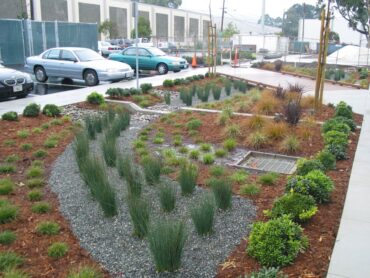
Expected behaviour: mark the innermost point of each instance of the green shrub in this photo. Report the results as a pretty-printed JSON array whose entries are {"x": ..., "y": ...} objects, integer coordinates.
[
  {"x": 34, "y": 195},
  {"x": 7, "y": 168},
  {"x": 315, "y": 183},
  {"x": 9, "y": 260},
  {"x": 188, "y": 178},
  {"x": 167, "y": 197},
  {"x": 51, "y": 110},
  {"x": 40, "y": 153},
  {"x": 152, "y": 169},
  {"x": 48, "y": 228},
  {"x": 56, "y": 122},
  {"x": 35, "y": 182},
  {"x": 26, "y": 146},
  {"x": 335, "y": 138},
  {"x": 267, "y": 272},
  {"x": 31, "y": 110},
  {"x": 158, "y": 140},
  {"x": 217, "y": 171},
  {"x": 50, "y": 143},
  {"x": 327, "y": 159},
  {"x": 233, "y": 131},
  {"x": 6, "y": 186},
  {"x": 14, "y": 273},
  {"x": 331, "y": 123},
  {"x": 208, "y": 158},
  {"x": 140, "y": 214},
  {"x": 194, "y": 154},
  {"x": 220, "y": 152},
  {"x": 167, "y": 237},
  {"x": 249, "y": 189},
  {"x": 268, "y": 178},
  {"x": 34, "y": 172},
  {"x": 10, "y": 116},
  {"x": 85, "y": 272},
  {"x": 339, "y": 151},
  {"x": 223, "y": 193},
  {"x": 304, "y": 166},
  {"x": 45, "y": 126},
  {"x": 193, "y": 124},
  {"x": 9, "y": 143},
  {"x": 37, "y": 163},
  {"x": 336, "y": 126},
  {"x": 41, "y": 207},
  {"x": 290, "y": 144},
  {"x": 205, "y": 147},
  {"x": 37, "y": 130},
  {"x": 228, "y": 85},
  {"x": 343, "y": 110},
  {"x": 216, "y": 92},
  {"x": 95, "y": 98},
  {"x": 138, "y": 144},
  {"x": 202, "y": 215},
  {"x": 229, "y": 144},
  {"x": 7, "y": 237},
  {"x": 24, "y": 133},
  {"x": 8, "y": 212},
  {"x": 276, "y": 242},
  {"x": 81, "y": 148},
  {"x": 133, "y": 176},
  {"x": 239, "y": 176},
  {"x": 146, "y": 87},
  {"x": 298, "y": 207},
  {"x": 168, "y": 83},
  {"x": 58, "y": 250},
  {"x": 109, "y": 148},
  {"x": 11, "y": 158}
]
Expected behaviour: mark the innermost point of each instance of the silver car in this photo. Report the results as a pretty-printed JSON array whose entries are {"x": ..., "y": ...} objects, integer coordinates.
[{"x": 76, "y": 63}]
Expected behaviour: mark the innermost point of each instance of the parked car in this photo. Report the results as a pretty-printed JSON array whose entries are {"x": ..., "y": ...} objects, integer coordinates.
[
  {"x": 168, "y": 47},
  {"x": 76, "y": 63},
  {"x": 150, "y": 58},
  {"x": 122, "y": 43},
  {"x": 106, "y": 48},
  {"x": 14, "y": 83}
]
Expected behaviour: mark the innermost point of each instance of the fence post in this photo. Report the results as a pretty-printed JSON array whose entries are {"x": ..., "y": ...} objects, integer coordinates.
[
  {"x": 56, "y": 33},
  {"x": 43, "y": 36},
  {"x": 23, "y": 42}
]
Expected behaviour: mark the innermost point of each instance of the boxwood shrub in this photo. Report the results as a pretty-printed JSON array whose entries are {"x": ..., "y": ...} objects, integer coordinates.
[
  {"x": 327, "y": 159},
  {"x": 95, "y": 98},
  {"x": 10, "y": 116},
  {"x": 304, "y": 166},
  {"x": 51, "y": 110},
  {"x": 31, "y": 110},
  {"x": 331, "y": 123},
  {"x": 276, "y": 242},
  {"x": 344, "y": 110},
  {"x": 335, "y": 138}
]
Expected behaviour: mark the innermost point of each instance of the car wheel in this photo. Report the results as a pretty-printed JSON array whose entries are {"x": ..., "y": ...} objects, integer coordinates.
[
  {"x": 40, "y": 74},
  {"x": 91, "y": 78},
  {"x": 176, "y": 70},
  {"x": 22, "y": 95},
  {"x": 162, "y": 68}
]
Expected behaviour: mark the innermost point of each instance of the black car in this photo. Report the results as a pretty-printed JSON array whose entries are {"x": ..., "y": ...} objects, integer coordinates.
[{"x": 14, "y": 83}]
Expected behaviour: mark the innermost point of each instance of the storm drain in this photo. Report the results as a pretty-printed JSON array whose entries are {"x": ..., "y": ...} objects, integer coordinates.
[{"x": 267, "y": 162}]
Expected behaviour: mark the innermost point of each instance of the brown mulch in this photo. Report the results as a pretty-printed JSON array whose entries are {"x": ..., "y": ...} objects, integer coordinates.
[{"x": 30, "y": 245}]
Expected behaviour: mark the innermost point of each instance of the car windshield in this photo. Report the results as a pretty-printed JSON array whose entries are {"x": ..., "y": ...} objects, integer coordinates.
[
  {"x": 157, "y": 52},
  {"x": 85, "y": 55}
]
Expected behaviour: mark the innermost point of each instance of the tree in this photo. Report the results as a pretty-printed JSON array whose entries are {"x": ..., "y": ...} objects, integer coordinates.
[
  {"x": 270, "y": 21},
  {"x": 108, "y": 28},
  {"x": 143, "y": 30},
  {"x": 294, "y": 14},
  {"x": 356, "y": 12},
  {"x": 230, "y": 30},
  {"x": 164, "y": 3},
  {"x": 334, "y": 37}
]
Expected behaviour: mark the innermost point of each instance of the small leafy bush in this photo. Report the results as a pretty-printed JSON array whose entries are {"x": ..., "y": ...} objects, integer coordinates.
[
  {"x": 188, "y": 178},
  {"x": 152, "y": 169},
  {"x": 268, "y": 178},
  {"x": 304, "y": 166},
  {"x": 276, "y": 242},
  {"x": 202, "y": 215},
  {"x": 222, "y": 192},
  {"x": 9, "y": 260},
  {"x": 51, "y": 110},
  {"x": 95, "y": 98},
  {"x": 31, "y": 110},
  {"x": 335, "y": 138},
  {"x": 146, "y": 87},
  {"x": 233, "y": 131},
  {"x": 257, "y": 139},
  {"x": 10, "y": 116},
  {"x": 327, "y": 159},
  {"x": 337, "y": 124},
  {"x": 41, "y": 207},
  {"x": 7, "y": 237},
  {"x": 298, "y": 207},
  {"x": 167, "y": 98},
  {"x": 208, "y": 158},
  {"x": 194, "y": 124},
  {"x": 168, "y": 83},
  {"x": 343, "y": 110},
  {"x": 48, "y": 228},
  {"x": 167, "y": 197},
  {"x": 339, "y": 151},
  {"x": 249, "y": 189},
  {"x": 58, "y": 250},
  {"x": 140, "y": 214},
  {"x": 167, "y": 237},
  {"x": 315, "y": 183},
  {"x": 34, "y": 195}
]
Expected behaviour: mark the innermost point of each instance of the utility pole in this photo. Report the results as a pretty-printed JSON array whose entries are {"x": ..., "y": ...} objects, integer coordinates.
[
  {"x": 302, "y": 37},
  {"x": 136, "y": 14},
  {"x": 223, "y": 13},
  {"x": 263, "y": 23}
]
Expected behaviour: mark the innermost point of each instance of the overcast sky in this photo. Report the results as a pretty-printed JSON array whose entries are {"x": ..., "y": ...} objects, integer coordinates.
[{"x": 243, "y": 9}]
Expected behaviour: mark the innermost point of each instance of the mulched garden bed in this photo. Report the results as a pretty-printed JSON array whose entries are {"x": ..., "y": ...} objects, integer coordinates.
[{"x": 29, "y": 244}]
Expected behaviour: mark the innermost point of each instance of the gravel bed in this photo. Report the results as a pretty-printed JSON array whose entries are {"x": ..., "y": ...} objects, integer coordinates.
[{"x": 110, "y": 240}]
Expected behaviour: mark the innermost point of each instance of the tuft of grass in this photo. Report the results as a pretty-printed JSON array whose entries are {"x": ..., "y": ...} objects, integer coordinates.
[
  {"x": 256, "y": 122},
  {"x": 34, "y": 195},
  {"x": 48, "y": 228},
  {"x": 85, "y": 272},
  {"x": 217, "y": 171},
  {"x": 45, "y": 126},
  {"x": 37, "y": 130},
  {"x": 40, "y": 153},
  {"x": 140, "y": 215},
  {"x": 7, "y": 168},
  {"x": 290, "y": 144},
  {"x": 34, "y": 172},
  {"x": 152, "y": 169},
  {"x": 208, "y": 158},
  {"x": 24, "y": 133},
  {"x": 11, "y": 158},
  {"x": 202, "y": 215},
  {"x": 9, "y": 143},
  {"x": 41, "y": 207},
  {"x": 229, "y": 144},
  {"x": 267, "y": 104},
  {"x": 205, "y": 147},
  {"x": 183, "y": 150},
  {"x": 194, "y": 154},
  {"x": 58, "y": 250},
  {"x": 167, "y": 197},
  {"x": 158, "y": 140},
  {"x": 220, "y": 153},
  {"x": 222, "y": 192},
  {"x": 6, "y": 186},
  {"x": 188, "y": 178},
  {"x": 257, "y": 139},
  {"x": 239, "y": 177},
  {"x": 81, "y": 148},
  {"x": 233, "y": 131},
  {"x": 167, "y": 237},
  {"x": 26, "y": 147},
  {"x": 268, "y": 178},
  {"x": 7, "y": 237},
  {"x": 9, "y": 260},
  {"x": 36, "y": 182},
  {"x": 8, "y": 212},
  {"x": 276, "y": 131},
  {"x": 14, "y": 273},
  {"x": 138, "y": 144},
  {"x": 249, "y": 189},
  {"x": 133, "y": 177},
  {"x": 109, "y": 148},
  {"x": 193, "y": 124},
  {"x": 50, "y": 143}
]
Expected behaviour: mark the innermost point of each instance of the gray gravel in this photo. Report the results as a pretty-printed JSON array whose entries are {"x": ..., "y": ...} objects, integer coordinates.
[{"x": 110, "y": 240}]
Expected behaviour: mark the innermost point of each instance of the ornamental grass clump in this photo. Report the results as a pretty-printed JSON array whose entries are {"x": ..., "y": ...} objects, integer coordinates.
[
  {"x": 250, "y": 189},
  {"x": 203, "y": 214},
  {"x": 166, "y": 242},
  {"x": 152, "y": 169},
  {"x": 229, "y": 144},
  {"x": 48, "y": 228},
  {"x": 9, "y": 260},
  {"x": 109, "y": 149},
  {"x": 58, "y": 250},
  {"x": 188, "y": 178},
  {"x": 228, "y": 85},
  {"x": 268, "y": 178},
  {"x": 6, "y": 186},
  {"x": 222, "y": 192},
  {"x": 85, "y": 272},
  {"x": 139, "y": 211},
  {"x": 167, "y": 197},
  {"x": 8, "y": 212},
  {"x": 216, "y": 92},
  {"x": 7, "y": 237},
  {"x": 276, "y": 242}
]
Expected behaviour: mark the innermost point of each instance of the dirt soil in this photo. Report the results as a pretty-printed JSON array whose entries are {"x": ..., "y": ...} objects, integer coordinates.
[{"x": 29, "y": 244}]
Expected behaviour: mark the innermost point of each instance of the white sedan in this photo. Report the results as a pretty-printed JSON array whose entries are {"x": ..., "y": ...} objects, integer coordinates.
[
  {"x": 76, "y": 63},
  {"x": 106, "y": 48}
]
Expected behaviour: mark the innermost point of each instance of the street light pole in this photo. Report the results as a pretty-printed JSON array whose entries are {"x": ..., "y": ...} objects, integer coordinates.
[{"x": 135, "y": 14}]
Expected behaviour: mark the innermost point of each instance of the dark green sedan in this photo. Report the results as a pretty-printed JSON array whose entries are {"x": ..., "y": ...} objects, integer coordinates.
[{"x": 150, "y": 58}]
